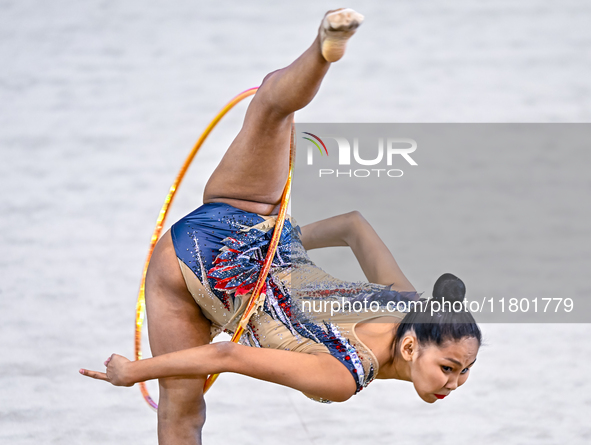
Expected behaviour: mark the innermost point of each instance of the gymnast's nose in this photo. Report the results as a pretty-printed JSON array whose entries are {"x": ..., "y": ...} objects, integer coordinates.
[{"x": 452, "y": 382}]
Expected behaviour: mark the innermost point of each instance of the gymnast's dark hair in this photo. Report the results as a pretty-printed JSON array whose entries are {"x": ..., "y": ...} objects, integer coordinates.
[{"x": 445, "y": 324}]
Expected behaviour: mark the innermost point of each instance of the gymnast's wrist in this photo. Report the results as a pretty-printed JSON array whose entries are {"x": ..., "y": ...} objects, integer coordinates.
[{"x": 136, "y": 372}]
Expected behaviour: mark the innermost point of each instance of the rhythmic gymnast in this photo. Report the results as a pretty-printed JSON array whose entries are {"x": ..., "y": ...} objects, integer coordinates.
[{"x": 204, "y": 268}]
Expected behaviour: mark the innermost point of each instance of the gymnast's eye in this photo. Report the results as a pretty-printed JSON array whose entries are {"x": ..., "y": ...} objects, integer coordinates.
[
  {"x": 465, "y": 370},
  {"x": 446, "y": 368}
]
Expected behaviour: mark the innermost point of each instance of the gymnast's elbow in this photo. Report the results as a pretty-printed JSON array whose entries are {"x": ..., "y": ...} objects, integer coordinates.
[
  {"x": 233, "y": 357},
  {"x": 224, "y": 356}
]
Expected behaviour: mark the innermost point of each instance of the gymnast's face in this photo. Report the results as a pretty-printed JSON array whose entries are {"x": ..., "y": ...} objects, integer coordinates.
[{"x": 438, "y": 370}]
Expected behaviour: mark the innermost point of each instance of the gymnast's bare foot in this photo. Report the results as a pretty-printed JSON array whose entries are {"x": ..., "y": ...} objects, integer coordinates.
[{"x": 336, "y": 29}]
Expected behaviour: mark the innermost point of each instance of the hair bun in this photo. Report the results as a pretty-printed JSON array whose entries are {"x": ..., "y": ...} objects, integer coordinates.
[{"x": 450, "y": 288}]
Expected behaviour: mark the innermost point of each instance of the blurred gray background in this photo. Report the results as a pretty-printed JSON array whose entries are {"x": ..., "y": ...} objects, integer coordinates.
[{"x": 100, "y": 101}]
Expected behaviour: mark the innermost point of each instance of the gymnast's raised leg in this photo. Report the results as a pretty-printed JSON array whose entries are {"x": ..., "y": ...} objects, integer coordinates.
[{"x": 251, "y": 176}]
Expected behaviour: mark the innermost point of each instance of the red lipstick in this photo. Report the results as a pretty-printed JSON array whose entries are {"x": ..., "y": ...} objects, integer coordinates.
[{"x": 439, "y": 396}]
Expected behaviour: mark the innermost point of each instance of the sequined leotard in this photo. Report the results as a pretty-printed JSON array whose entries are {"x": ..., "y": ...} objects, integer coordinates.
[{"x": 223, "y": 248}]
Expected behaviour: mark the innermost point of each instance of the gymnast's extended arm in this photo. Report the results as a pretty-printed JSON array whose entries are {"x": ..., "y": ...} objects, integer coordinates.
[
  {"x": 352, "y": 229},
  {"x": 320, "y": 375}
]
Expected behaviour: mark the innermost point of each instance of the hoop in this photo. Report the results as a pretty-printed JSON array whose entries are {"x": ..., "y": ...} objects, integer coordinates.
[{"x": 256, "y": 299}]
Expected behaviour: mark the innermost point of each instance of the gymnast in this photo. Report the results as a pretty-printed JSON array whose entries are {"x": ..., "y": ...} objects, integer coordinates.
[{"x": 203, "y": 270}]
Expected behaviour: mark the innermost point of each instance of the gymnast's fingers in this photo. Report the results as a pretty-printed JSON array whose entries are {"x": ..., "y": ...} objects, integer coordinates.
[{"x": 94, "y": 374}]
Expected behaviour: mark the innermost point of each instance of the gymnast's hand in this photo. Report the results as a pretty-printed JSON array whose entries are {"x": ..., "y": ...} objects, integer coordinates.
[{"x": 117, "y": 371}]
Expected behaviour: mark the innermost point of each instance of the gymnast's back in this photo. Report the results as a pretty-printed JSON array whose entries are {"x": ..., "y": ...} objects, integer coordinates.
[{"x": 221, "y": 249}]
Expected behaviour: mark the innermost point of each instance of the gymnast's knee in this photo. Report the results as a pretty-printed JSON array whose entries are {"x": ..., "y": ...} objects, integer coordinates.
[
  {"x": 185, "y": 414},
  {"x": 269, "y": 75}
]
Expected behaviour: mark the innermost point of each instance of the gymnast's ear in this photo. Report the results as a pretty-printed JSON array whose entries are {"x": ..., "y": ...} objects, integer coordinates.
[{"x": 408, "y": 347}]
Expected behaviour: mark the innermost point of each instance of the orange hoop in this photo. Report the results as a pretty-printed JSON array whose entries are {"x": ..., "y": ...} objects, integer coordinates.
[{"x": 256, "y": 298}]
